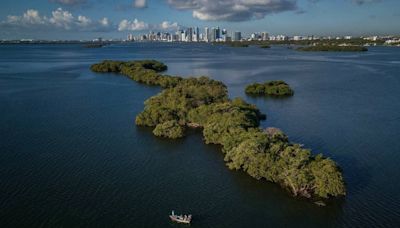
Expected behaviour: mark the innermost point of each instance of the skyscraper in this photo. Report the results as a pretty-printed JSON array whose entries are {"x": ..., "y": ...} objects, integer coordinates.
[
  {"x": 189, "y": 35},
  {"x": 237, "y": 36},
  {"x": 197, "y": 34},
  {"x": 224, "y": 35},
  {"x": 218, "y": 33},
  {"x": 206, "y": 34},
  {"x": 264, "y": 36},
  {"x": 215, "y": 34}
]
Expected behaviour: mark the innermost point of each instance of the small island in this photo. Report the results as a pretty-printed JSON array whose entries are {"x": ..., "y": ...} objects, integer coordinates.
[
  {"x": 94, "y": 45},
  {"x": 333, "y": 48},
  {"x": 233, "y": 124},
  {"x": 265, "y": 46},
  {"x": 270, "y": 88}
]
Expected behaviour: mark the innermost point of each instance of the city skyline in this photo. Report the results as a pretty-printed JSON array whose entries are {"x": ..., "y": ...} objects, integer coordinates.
[{"x": 87, "y": 19}]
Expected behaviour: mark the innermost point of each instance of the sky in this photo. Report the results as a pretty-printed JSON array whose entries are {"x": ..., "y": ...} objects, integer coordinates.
[{"x": 89, "y": 19}]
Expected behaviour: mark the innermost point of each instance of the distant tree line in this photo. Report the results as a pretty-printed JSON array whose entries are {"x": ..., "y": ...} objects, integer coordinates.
[
  {"x": 333, "y": 48},
  {"x": 233, "y": 124}
]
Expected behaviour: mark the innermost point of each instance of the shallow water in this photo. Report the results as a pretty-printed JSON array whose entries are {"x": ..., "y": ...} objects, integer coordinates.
[{"x": 71, "y": 155}]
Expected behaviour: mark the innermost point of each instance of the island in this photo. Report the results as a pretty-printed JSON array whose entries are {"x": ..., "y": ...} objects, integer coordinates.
[
  {"x": 270, "y": 88},
  {"x": 234, "y": 125},
  {"x": 265, "y": 46},
  {"x": 334, "y": 48},
  {"x": 238, "y": 44},
  {"x": 94, "y": 45}
]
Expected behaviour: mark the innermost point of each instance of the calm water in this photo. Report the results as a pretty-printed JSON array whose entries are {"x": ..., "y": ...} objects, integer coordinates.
[{"x": 71, "y": 156}]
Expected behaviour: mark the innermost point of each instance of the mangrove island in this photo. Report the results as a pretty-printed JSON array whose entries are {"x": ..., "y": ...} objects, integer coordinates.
[
  {"x": 270, "y": 88},
  {"x": 334, "y": 48},
  {"x": 234, "y": 125}
]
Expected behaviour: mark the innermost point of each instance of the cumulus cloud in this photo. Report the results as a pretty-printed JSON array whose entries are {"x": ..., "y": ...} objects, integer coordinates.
[
  {"x": 233, "y": 10},
  {"x": 166, "y": 25},
  {"x": 134, "y": 25},
  {"x": 69, "y": 2},
  {"x": 59, "y": 19},
  {"x": 139, "y": 3}
]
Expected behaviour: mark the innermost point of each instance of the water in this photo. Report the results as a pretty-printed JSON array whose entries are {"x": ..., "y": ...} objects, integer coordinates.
[{"x": 71, "y": 156}]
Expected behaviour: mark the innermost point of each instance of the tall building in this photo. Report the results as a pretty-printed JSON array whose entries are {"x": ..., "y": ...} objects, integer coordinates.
[
  {"x": 264, "y": 36},
  {"x": 224, "y": 35},
  {"x": 213, "y": 36},
  {"x": 183, "y": 36},
  {"x": 130, "y": 37},
  {"x": 206, "y": 34},
  {"x": 197, "y": 34},
  {"x": 189, "y": 36},
  {"x": 217, "y": 34},
  {"x": 237, "y": 36}
]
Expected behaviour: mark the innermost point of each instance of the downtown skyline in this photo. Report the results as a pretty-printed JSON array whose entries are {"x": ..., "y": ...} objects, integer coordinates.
[{"x": 87, "y": 19}]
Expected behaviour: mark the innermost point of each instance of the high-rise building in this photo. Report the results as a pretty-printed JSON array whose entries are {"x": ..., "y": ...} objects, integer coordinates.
[
  {"x": 130, "y": 37},
  {"x": 189, "y": 36},
  {"x": 213, "y": 36},
  {"x": 224, "y": 35},
  {"x": 197, "y": 34},
  {"x": 183, "y": 36},
  {"x": 206, "y": 34},
  {"x": 264, "y": 36},
  {"x": 218, "y": 34},
  {"x": 237, "y": 36}
]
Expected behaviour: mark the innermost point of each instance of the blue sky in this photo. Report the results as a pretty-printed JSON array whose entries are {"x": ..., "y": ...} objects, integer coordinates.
[{"x": 87, "y": 19}]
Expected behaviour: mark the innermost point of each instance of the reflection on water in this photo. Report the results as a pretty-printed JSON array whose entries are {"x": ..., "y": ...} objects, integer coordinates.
[{"x": 71, "y": 155}]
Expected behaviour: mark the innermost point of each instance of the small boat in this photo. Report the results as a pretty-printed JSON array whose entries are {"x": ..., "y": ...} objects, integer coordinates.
[{"x": 180, "y": 218}]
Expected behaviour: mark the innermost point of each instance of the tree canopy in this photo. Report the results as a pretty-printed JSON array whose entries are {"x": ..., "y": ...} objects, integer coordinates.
[
  {"x": 233, "y": 124},
  {"x": 334, "y": 48},
  {"x": 270, "y": 88}
]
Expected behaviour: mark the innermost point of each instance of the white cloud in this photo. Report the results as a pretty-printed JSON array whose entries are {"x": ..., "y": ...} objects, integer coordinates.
[
  {"x": 139, "y": 3},
  {"x": 104, "y": 22},
  {"x": 59, "y": 19},
  {"x": 134, "y": 25},
  {"x": 166, "y": 25},
  {"x": 32, "y": 16},
  {"x": 62, "y": 19},
  {"x": 233, "y": 10},
  {"x": 84, "y": 21}
]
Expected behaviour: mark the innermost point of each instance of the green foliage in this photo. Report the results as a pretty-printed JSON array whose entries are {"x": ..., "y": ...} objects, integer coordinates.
[
  {"x": 169, "y": 129},
  {"x": 265, "y": 46},
  {"x": 271, "y": 88},
  {"x": 328, "y": 179},
  {"x": 153, "y": 65},
  {"x": 238, "y": 44},
  {"x": 334, "y": 48},
  {"x": 233, "y": 124}
]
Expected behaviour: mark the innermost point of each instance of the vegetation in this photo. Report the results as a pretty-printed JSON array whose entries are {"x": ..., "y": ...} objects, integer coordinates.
[
  {"x": 334, "y": 48},
  {"x": 331, "y": 42},
  {"x": 93, "y": 45},
  {"x": 238, "y": 44},
  {"x": 169, "y": 129},
  {"x": 271, "y": 88},
  {"x": 233, "y": 124},
  {"x": 265, "y": 46}
]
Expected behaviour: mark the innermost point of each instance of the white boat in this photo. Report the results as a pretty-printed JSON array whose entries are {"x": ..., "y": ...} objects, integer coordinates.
[{"x": 180, "y": 218}]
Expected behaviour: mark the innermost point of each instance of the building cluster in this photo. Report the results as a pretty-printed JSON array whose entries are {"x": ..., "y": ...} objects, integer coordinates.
[
  {"x": 217, "y": 34},
  {"x": 214, "y": 34}
]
